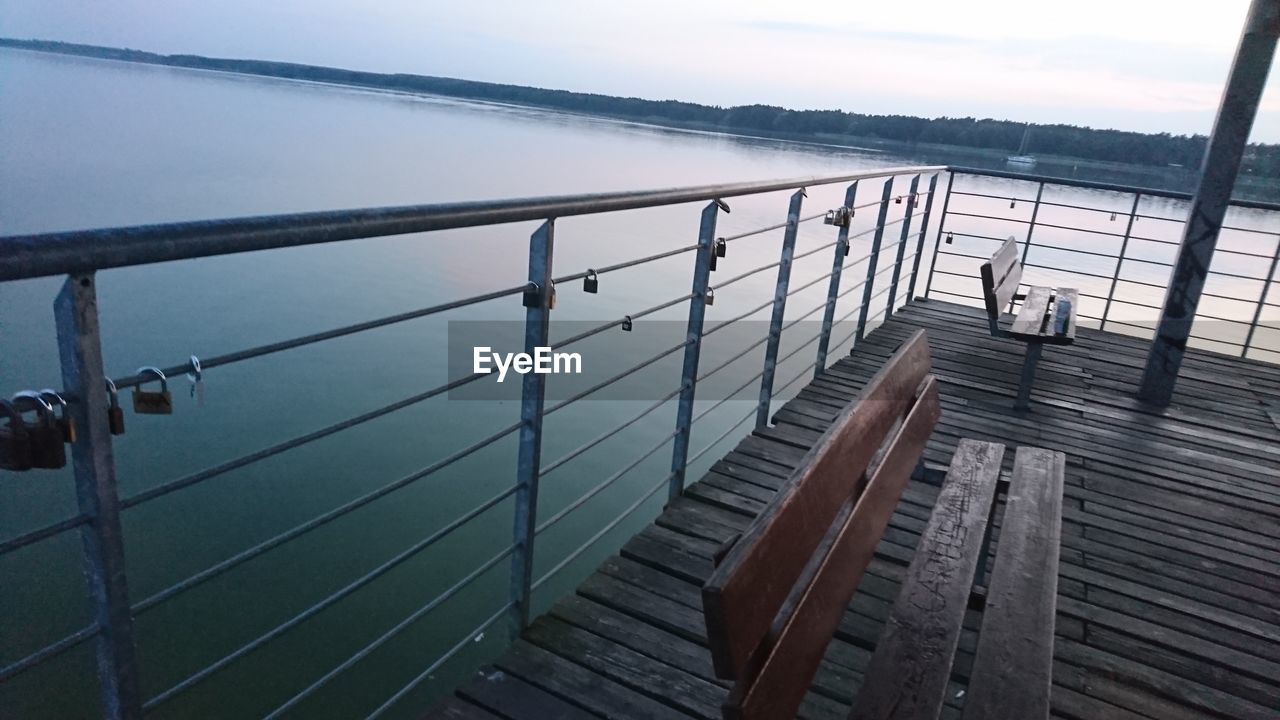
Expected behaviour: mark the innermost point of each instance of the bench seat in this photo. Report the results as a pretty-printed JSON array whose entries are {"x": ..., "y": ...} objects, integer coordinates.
[
  {"x": 780, "y": 588},
  {"x": 1047, "y": 315},
  {"x": 1012, "y": 668}
]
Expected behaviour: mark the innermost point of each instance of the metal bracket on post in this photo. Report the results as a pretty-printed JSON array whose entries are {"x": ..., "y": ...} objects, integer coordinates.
[
  {"x": 833, "y": 289},
  {"x": 1236, "y": 113},
  {"x": 779, "y": 308},
  {"x": 80, "y": 350},
  {"x": 875, "y": 256},
  {"x": 902, "y": 248},
  {"x": 537, "y": 325},
  {"x": 1124, "y": 245},
  {"x": 924, "y": 227},
  {"x": 693, "y": 336},
  {"x": 937, "y": 240}
]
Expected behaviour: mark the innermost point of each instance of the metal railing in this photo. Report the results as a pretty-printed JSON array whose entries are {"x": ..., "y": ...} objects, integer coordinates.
[
  {"x": 1116, "y": 244},
  {"x": 78, "y": 255}
]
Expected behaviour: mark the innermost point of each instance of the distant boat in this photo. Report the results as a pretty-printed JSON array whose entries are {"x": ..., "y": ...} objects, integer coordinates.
[{"x": 1022, "y": 159}]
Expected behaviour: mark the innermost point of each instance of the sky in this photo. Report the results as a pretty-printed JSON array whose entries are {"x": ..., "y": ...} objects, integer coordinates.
[{"x": 1130, "y": 64}]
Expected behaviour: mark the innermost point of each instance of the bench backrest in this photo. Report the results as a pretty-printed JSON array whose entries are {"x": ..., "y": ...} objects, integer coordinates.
[
  {"x": 1000, "y": 278},
  {"x": 774, "y": 601}
]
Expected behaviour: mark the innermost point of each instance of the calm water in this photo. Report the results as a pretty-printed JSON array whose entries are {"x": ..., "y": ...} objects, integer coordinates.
[{"x": 91, "y": 143}]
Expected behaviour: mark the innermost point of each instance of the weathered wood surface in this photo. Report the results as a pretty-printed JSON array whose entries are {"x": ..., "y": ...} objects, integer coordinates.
[
  {"x": 1013, "y": 664},
  {"x": 1000, "y": 279},
  {"x": 1168, "y": 596},
  {"x": 744, "y": 594},
  {"x": 907, "y": 679},
  {"x": 1030, "y": 321},
  {"x": 812, "y": 617}
]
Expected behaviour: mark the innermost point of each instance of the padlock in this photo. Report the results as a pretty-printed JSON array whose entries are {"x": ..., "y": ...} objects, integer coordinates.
[
  {"x": 115, "y": 413},
  {"x": 950, "y": 237},
  {"x": 711, "y": 296},
  {"x": 1113, "y": 217},
  {"x": 897, "y": 200},
  {"x": 551, "y": 296},
  {"x": 722, "y": 247},
  {"x": 15, "y": 441},
  {"x": 591, "y": 283},
  {"x": 1012, "y": 203},
  {"x": 711, "y": 262},
  {"x": 153, "y": 402},
  {"x": 66, "y": 425},
  {"x": 626, "y": 323},
  {"x": 47, "y": 449}
]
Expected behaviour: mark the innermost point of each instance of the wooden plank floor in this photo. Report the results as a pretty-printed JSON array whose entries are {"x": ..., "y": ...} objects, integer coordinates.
[{"x": 1169, "y": 588}]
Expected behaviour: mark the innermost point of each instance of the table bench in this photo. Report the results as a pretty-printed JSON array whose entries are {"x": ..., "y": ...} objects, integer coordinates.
[
  {"x": 1047, "y": 315},
  {"x": 777, "y": 594}
]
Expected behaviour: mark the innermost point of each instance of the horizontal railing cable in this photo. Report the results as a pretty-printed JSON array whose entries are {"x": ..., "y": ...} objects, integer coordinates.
[
  {"x": 778, "y": 226},
  {"x": 48, "y": 531},
  {"x": 448, "y": 655},
  {"x": 626, "y": 512},
  {"x": 618, "y": 322},
  {"x": 269, "y": 348},
  {"x": 391, "y": 633},
  {"x": 48, "y": 652},
  {"x": 316, "y": 522},
  {"x": 602, "y": 486},
  {"x": 694, "y": 457},
  {"x": 603, "y": 270},
  {"x": 328, "y": 601},
  {"x": 746, "y": 275},
  {"x": 606, "y": 435},
  {"x": 267, "y": 452},
  {"x": 606, "y": 383}
]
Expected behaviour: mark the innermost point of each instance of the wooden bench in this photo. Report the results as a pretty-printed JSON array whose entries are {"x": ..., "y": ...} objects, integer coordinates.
[
  {"x": 1047, "y": 316},
  {"x": 777, "y": 594}
]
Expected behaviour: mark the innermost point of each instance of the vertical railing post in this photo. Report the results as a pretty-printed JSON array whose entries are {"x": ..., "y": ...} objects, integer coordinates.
[
  {"x": 1262, "y": 300},
  {"x": 924, "y": 227},
  {"x": 833, "y": 288},
  {"x": 1124, "y": 245},
  {"x": 902, "y": 248},
  {"x": 937, "y": 240},
  {"x": 1031, "y": 226},
  {"x": 779, "y": 308},
  {"x": 693, "y": 336},
  {"x": 80, "y": 350},
  {"x": 537, "y": 326},
  {"x": 872, "y": 261}
]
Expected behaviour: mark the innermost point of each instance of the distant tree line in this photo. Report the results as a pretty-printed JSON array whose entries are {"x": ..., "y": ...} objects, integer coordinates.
[{"x": 1158, "y": 149}]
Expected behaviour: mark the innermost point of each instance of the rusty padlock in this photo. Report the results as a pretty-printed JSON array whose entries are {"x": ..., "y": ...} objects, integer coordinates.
[
  {"x": 47, "y": 449},
  {"x": 15, "y": 441},
  {"x": 153, "y": 402},
  {"x": 66, "y": 424},
  {"x": 115, "y": 413}
]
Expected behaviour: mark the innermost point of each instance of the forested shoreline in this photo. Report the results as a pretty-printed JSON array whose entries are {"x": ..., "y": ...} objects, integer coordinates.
[{"x": 836, "y": 126}]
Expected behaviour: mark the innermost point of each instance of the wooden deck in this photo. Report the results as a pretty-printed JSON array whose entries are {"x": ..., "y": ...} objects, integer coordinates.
[{"x": 1169, "y": 589}]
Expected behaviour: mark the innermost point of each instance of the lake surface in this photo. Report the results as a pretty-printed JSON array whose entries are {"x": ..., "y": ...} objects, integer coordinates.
[{"x": 89, "y": 143}]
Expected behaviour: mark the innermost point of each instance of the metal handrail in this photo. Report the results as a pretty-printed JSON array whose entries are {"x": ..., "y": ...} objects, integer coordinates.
[
  {"x": 79, "y": 254},
  {"x": 1121, "y": 257},
  {"x": 64, "y": 253}
]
